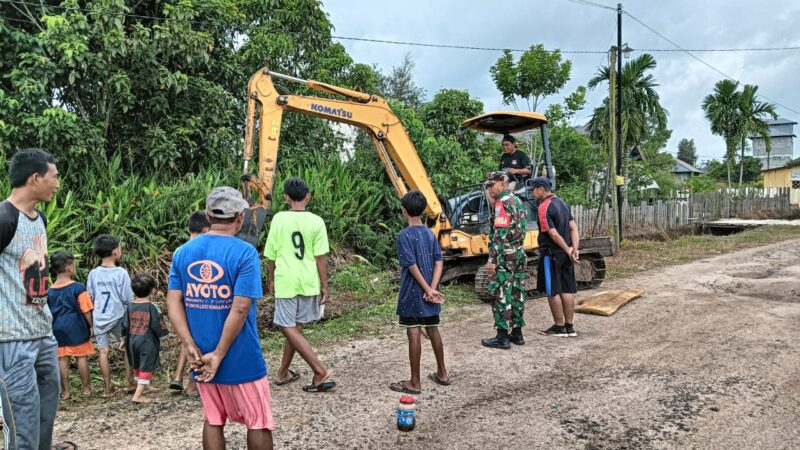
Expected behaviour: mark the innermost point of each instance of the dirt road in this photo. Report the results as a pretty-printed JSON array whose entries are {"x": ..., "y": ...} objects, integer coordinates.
[{"x": 708, "y": 358}]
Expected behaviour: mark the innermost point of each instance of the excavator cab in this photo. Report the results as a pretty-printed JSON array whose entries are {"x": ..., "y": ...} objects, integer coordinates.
[
  {"x": 510, "y": 122},
  {"x": 505, "y": 122}
]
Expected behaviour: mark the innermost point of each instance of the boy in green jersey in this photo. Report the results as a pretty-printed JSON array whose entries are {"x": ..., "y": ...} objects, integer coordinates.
[{"x": 296, "y": 247}]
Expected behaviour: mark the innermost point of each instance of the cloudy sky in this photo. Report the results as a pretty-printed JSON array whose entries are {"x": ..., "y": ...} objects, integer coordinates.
[{"x": 567, "y": 25}]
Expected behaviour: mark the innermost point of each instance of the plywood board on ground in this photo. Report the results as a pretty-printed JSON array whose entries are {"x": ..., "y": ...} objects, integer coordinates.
[{"x": 607, "y": 303}]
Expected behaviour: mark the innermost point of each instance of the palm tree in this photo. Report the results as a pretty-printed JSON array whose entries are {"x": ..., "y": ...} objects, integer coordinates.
[
  {"x": 752, "y": 114},
  {"x": 641, "y": 108},
  {"x": 722, "y": 110}
]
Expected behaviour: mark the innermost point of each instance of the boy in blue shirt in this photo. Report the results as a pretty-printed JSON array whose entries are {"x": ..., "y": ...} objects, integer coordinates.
[{"x": 419, "y": 303}]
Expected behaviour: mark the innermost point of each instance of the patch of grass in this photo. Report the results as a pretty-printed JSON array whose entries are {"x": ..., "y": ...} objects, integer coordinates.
[
  {"x": 640, "y": 256},
  {"x": 372, "y": 319}
]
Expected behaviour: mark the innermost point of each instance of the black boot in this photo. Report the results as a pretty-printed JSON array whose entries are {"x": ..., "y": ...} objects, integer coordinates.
[
  {"x": 516, "y": 336},
  {"x": 500, "y": 341}
]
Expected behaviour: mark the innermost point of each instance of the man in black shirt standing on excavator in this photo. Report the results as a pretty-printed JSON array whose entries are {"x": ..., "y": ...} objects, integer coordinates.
[{"x": 515, "y": 163}]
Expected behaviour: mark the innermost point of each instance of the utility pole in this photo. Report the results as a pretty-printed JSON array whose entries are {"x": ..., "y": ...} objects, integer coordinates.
[
  {"x": 612, "y": 145},
  {"x": 619, "y": 182}
]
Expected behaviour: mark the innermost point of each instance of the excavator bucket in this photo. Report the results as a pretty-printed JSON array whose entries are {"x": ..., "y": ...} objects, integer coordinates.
[
  {"x": 254, "y": 219},
  {"x": 506, "y": 122},
  {"x": 257, "y": 214}
]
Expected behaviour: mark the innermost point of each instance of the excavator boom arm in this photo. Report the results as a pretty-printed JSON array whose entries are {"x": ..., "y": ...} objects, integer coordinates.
[{"x": 368, "y": 112}]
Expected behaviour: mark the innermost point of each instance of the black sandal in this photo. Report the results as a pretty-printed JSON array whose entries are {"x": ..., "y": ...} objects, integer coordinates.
[
  {"x": 322, "y": 387},
  {"x": 293, "y": 376},
  {"x": 435, "y": 377},
  {"x": 400, "y": 386}
]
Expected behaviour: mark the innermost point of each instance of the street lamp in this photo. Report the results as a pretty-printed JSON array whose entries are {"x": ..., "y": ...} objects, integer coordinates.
[{"x": 626, "y": 51}]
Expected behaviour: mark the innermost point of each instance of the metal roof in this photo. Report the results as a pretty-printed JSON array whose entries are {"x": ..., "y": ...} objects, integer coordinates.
[{"x": 684, "y": 167}]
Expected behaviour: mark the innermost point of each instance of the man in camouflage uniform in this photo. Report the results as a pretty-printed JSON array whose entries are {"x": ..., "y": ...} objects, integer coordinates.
[{"x": 506, "y": 263}]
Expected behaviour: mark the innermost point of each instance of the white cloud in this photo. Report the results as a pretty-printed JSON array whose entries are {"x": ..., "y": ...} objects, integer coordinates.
[{"x": 569, "y": 26}]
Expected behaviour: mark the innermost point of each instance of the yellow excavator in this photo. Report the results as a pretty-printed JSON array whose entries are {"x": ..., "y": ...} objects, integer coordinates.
[{"x": 461, "y": 224}]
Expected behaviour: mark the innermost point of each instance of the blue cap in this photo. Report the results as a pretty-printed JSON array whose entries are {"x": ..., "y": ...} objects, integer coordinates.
[{"x": 541, "y": 182}]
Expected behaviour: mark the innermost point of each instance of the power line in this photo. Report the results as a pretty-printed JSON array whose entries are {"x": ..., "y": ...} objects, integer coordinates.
[
  {"x": 752, "y": 49},
  {"x": 462, "y": 47},
  {"x": 596, "y": 5},
  {"x": 703, "y": 62}
]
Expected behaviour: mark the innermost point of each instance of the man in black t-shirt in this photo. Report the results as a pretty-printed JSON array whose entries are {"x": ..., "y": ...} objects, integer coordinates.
[
  {"x": 558, "y": 251},
  {"x": 515, "y": 163}
]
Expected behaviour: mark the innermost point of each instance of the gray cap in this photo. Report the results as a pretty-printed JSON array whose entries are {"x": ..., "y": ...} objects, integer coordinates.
[
  {"x": 541, "y": 182},
  {"x": 225, "y": 202}
]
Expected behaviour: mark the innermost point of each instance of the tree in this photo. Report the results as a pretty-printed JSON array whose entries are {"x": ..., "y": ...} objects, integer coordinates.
[
  {"x": 722, "y": 111},
  {"x": 160, "y": 83},
  {"x": 752, "y": 115},
  {"x": 538, "y": 74},
  {"x": 400, "y": 85},
  {"x": 642, "y": 113},
  {"x": 558, "y": 113},
  {"x": 577, "y": 162},
  {"x": 443, "y": 115},
  {"x": 641, "y": 106},
  {"x": 687, "y": 151},
  {"x": 717, "y": 170}
]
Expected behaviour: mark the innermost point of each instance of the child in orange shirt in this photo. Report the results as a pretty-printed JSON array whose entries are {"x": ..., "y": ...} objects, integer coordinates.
[{"x": 71, "y": 307}]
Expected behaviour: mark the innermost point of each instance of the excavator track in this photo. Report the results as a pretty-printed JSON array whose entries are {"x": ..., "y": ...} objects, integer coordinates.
[{"x": 590, "y": 273}]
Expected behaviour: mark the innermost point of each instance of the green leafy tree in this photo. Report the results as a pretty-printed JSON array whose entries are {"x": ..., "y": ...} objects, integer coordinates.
[
  {"x": 641, "y": 106},
  {"x": 538, "y": 74},
  {"x": 722, "y": 111},
  {"x": 687, "y": 151},
  {"x": 399, "y": 84},
  {"x": 88, "y": 85},
  {"x": 642, "y": 113},
  {"x": 445, "y": 112},
  {"x": 717, "y": 170},
  {"x": 752, "y": 115},
  {"x": 701, "y": 183},
  {"x": 565, "y": 112},
  {"x": 577, "y": 162},
  {"x": 159, "y": 83}
]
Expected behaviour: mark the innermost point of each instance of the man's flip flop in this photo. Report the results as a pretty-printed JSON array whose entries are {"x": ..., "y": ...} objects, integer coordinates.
[
  {"x": 401, "y": 387},
  {"x": 435, "y": 377},
  {"x": 65, "y": 445},
  {"x": 322, "y": 387},
  {"x": 176, "y": 385},
  {"x": 293, "y": 376}
]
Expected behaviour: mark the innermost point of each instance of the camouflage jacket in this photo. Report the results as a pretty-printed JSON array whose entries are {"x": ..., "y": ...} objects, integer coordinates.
[{"x": 508, "y": 228}]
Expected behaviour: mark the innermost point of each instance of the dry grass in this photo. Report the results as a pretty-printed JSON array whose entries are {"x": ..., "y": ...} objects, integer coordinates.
[
  {"x": 792, "y": 213},
  {"x": 643, "y": 255}
]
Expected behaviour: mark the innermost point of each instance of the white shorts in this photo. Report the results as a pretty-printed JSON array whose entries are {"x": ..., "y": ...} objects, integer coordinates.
[{"x": 301, "y": 309}]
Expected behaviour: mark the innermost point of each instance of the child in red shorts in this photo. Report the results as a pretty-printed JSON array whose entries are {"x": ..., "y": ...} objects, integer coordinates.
[{"x": 71, "y": 307}]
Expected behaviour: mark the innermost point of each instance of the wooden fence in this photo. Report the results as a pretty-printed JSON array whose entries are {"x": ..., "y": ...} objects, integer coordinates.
[{"x": 679, "y": 212}]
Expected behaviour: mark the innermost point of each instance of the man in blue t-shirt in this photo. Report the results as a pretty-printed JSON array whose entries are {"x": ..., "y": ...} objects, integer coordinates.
[
  {"x": 214, "y": 282},
  {"x": 419, "y": 303}
]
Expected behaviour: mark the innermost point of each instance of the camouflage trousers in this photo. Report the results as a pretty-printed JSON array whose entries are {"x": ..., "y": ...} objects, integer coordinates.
[{"x": 508, "y": 291}]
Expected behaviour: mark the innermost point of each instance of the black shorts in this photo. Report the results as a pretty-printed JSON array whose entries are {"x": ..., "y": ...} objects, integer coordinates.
[
  {"x": 555, "y": 274},
  {"x": 413, "y": 322}
]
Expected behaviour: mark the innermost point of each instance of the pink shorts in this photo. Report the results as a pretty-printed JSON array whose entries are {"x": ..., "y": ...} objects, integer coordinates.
[{"x": 247, "y": 403}]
